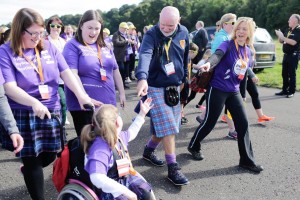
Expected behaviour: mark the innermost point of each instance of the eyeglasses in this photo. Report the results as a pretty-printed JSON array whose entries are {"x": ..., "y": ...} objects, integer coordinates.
[
  {"x": 36, "y": 34},
  {"x": 232, "y": 23},
  {"x": 55, "y": 26}
]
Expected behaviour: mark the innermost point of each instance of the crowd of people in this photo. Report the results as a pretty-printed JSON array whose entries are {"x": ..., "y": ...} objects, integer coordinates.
[{"x": 52, "y": 68}]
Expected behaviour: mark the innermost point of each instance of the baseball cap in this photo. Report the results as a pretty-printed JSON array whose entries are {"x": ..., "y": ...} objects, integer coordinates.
[
  {"x": 123, "y": 25},
  {"x": 132, "y": 26}
]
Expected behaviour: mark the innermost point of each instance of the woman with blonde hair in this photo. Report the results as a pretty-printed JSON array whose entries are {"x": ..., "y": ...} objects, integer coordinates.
[{"x": 229, "y": 62}]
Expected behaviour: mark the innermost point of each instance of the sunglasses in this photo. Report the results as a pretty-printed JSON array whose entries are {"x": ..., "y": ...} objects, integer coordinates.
[
  {"x": 55, "y": 26},
  {"x": 232, "y": 23}
]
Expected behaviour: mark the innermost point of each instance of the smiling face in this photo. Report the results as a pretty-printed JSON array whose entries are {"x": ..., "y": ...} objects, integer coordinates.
[
  {"x": 55, "y": 29},
  {"x": 90, "y": 31},
  {"x": 168, "y": 20},
  {"x": 242, "y": 33},
  {"x": 32, "y": 36}
]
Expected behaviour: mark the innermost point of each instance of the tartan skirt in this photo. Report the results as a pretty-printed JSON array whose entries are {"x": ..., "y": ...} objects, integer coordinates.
[
  {"x": 165, "y": 120},
  {"x": 40, "y": 135}
]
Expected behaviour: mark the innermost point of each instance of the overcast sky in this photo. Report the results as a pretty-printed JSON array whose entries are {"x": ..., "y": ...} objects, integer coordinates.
[{"x": 47, "y": 8}]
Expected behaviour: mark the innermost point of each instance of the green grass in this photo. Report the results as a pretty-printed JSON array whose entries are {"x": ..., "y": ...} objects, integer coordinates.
[{"x": 271, "y": 77}]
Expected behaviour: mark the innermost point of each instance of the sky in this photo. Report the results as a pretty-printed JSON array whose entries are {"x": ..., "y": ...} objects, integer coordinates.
[{"x": 48, "y": 8}]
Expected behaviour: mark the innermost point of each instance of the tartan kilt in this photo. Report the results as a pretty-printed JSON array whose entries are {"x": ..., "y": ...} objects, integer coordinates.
[
  {"x": 165, "y": 120},
  {"x": 39, "y": 135}
]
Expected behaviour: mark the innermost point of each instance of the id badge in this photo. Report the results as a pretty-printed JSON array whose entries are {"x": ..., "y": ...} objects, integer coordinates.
[
  {"x": 103, "y": 74},
  {"x": 170, "y": 69},
  {"x": 123, "y": 167},
  {"x": 242, "y": 71},
  {"x": 44, "y": 91}
]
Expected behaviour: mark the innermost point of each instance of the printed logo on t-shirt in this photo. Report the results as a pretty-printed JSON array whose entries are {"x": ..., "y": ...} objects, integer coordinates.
[
  {"x": 238, "y": 69},
  {"x": 86, "y": 51}
]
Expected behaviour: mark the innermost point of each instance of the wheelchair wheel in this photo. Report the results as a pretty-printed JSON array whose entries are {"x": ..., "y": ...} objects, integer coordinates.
[{"x": 74, "y": 192}]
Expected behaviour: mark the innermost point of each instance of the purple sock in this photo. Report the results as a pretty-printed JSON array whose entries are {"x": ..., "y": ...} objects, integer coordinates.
[
  {"x": 152, "y": 144},
  {"x": 170, "y": 158}
]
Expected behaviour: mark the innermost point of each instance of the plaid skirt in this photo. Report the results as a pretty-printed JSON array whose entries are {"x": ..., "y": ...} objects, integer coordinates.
[
  {"x": 39, "y": 135},
  {"x": 165, "y": 120}
]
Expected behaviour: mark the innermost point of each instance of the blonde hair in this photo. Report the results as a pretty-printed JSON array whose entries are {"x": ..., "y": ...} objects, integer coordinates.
[
  {"x": 104, "y": 125},
  {"x": 251, "y": 28},
  {"x": 227, "y": 17}
]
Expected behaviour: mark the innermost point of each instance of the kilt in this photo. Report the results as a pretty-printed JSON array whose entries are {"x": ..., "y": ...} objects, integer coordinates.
[
  {"x": 165, "y": 120},
  {"x": 39, "y": 135}
]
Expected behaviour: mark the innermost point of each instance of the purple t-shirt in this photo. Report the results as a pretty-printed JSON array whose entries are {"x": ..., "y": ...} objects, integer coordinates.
[
  {"x": 17, "y": 69},
  {"x": 226, "y": 73},
  {"x": 85, "y": 60},
  {"x": 100, "y": 157},
  {"x": 1, "y": 77}
]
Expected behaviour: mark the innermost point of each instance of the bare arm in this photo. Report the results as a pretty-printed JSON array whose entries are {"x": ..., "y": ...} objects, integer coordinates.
[{"x": 120, "y": 86}]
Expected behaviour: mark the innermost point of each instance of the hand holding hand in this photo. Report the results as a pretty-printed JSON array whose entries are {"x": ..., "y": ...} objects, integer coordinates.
[
  {"x": 145, "y": 106},
  {"x": 18, "y": 141},
  {"x": 205, "y": 67}
]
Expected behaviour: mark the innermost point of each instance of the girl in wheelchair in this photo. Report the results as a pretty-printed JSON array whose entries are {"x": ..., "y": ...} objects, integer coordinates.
[{"x": 106, "y": 156}]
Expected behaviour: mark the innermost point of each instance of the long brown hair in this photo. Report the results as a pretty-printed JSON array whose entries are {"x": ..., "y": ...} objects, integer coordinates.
[
  {"x": 88, "y": 16},
  {"x": 104, "y": 125},
  {"x": 23, "y": 19}
]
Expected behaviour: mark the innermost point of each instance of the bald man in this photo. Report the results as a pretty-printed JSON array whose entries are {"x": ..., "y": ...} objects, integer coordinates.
[{"x": 163, "y": 61}]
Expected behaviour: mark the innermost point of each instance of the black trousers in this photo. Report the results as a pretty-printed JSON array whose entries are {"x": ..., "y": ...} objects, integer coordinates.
[
  {"x": 289, "y": 67},
  {"x": 215, "y": 101},
  {"x": 80, "y": 119}
]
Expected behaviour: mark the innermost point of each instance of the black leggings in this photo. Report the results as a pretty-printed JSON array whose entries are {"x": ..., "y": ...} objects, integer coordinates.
[
  {"x": 33, "y": 173},
  {"x": 80, "y": 119},
  {"x": 192, "y": 96},
  {"x": 215, "y": 100}
]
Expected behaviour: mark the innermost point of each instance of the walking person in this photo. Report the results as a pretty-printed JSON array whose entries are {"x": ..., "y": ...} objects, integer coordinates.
[
  {"x": 291, "y": 42},
  {"x": 229, "y": 69},
  {"x": 163, "y": 67},
  {"x": 31, "y": 68},
  {"x": 94, "y": 67}
]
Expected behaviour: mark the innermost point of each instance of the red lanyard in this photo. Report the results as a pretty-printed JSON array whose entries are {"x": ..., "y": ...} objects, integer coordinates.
[
  {"x": 39, "y": 70},
  {"x": 98, "y": 53}
]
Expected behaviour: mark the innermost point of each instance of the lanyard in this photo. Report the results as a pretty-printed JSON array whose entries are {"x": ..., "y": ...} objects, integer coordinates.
[
  {"x": 240, "y": 56},
  {"x": 98, "y": 53},
  {"x": 167, "y": 47},
  {"x": 123, "y": 152},
  {"x": 39, "y": 70}
]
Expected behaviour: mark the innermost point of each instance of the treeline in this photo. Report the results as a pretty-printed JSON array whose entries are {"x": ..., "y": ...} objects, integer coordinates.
[{"x": 270, "y": 14}]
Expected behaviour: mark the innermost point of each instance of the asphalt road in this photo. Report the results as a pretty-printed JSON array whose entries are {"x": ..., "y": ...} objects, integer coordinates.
[{"x": 217, "y": 177}]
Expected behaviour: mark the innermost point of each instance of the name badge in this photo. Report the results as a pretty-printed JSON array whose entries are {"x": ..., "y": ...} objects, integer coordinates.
[
  {"x": 123, "y": 167},
  {"x": 170, "y": 69},
  {"x": 44, "y": 91},
  {"x": 242, "y": 71},
  {"x": 103, "y": 74}
]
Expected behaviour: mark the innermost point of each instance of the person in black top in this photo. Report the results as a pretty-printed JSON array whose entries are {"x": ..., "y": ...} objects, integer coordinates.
[
  {"x": 291, "y": 41},
  {"x": 201, "y": 40}
]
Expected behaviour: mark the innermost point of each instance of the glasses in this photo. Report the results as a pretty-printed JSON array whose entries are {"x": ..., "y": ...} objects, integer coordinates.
[
  {"x": 36, "y": 34},
  {"x": 232, "y": 23},
  {"x": 55, "y": 26}
]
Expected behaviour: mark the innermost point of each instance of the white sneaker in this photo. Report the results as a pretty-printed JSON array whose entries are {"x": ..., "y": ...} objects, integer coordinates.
[
  {"x": 127, "y": 80},
  {"x": 67, "y": 122}
]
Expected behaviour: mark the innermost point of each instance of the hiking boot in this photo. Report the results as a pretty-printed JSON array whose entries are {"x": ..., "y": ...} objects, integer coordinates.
[
  {"x": 175, "y": 175},
  {"x": 265, "y": 118},
  {"x": 232, "y": 135},
  {"x": 149, "y": 154}
]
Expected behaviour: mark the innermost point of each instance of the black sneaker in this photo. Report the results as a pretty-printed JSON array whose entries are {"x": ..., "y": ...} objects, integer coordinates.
[
  {"x": 149, "y": 154},
  {"x": 253, "y": 168},
  {"x": 184, "y": 121},
  {"x": 289, "y": 95},
  {"x": 281, "y": 93},
  {"x": 175, "y": 175},
  {"x": 197, "y": 155}
]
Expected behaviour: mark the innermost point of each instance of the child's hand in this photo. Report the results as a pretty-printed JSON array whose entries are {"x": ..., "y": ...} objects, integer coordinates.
[
  {"x": 205, "y": 67},
  {"x": 145, "y": 106}
]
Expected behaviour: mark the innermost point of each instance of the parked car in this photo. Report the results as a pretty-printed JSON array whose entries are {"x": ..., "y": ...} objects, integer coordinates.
[{"x": 263, "y": 45}]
